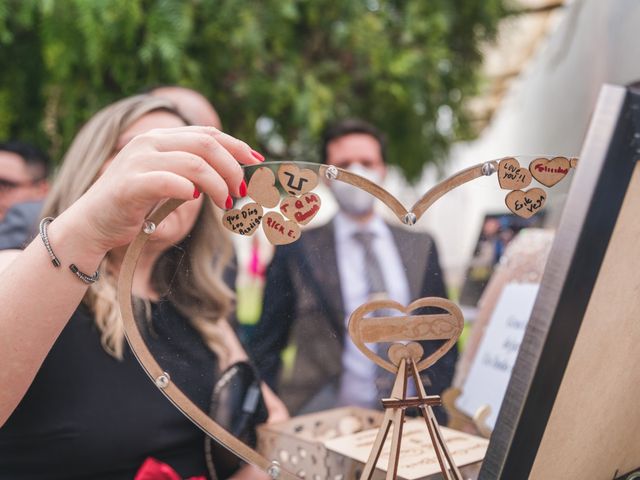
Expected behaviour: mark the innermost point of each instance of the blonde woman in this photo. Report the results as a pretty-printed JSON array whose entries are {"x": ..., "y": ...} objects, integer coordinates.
[{"x": 73, "y": 401}]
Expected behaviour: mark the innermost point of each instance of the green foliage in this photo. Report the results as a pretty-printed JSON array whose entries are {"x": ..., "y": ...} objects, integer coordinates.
[{"x": 405, "y": 65}]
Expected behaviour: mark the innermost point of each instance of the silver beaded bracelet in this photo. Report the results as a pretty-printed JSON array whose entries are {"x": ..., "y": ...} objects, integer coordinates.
[{"x": 88, "y": 279}]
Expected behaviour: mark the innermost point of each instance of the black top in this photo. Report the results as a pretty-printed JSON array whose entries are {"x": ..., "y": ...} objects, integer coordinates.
[{"x": 88, "y": 415}]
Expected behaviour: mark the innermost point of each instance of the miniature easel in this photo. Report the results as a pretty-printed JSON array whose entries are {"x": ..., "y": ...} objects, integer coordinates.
[
  {"x": 395, "y": 412},
  {"x": 405, "y": 360}
]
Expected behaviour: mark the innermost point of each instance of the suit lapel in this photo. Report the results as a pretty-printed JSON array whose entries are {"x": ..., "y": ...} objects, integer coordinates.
[
  {"x": 319, "y": 250},
  {"x": 414, "y": 254}
]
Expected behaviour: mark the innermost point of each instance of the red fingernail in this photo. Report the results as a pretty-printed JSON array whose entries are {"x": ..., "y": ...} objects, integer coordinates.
[
  {"x": 196, "y": 192},
  {"x": 257, "y": 156},
  {"x": 229, "y": 203},
  {"x": 243, "y": 188}
]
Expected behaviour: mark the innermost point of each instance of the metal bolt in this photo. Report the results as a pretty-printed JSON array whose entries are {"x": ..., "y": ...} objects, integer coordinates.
[
  {"x": 274, "y": 470},
  {"x": 331, "y": 173},
  {"x": 488, "y": 168},
  {"x": 148, "y": 227},
  {"x": 163, "y": 380},
  {"x": 409, "y": 219}
]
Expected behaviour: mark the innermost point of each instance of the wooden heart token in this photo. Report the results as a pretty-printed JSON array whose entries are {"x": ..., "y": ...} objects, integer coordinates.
[
  {"x": 278, "y": 230},
  {"x": 549, "y": 172},
  {"x": 512, "y": 176},
  {"x": 413, "y": 325},
  {"x": 301, "y": 210},
  {"x": 526, "y": 204},
  {"x": 262, "y": 187},
  {"x": 573, "y": 162},
  {"x": 296, "y": 181},
  {"x": 244, "y": 221}
]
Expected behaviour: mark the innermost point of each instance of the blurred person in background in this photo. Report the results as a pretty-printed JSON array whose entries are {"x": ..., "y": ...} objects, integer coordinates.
[
  {"x": 23, "y": 184},
  {"x": 314, "y": 284},
  {"x": 74, "y": 402}
]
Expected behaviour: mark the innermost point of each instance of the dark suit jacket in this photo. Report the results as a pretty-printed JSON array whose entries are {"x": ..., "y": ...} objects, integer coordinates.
[
  {"x": 20, "y": 225},
  {"x": 303, "y": 305}
]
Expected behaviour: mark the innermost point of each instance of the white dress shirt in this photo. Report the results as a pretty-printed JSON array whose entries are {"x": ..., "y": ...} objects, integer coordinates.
[{"x": 357, "y": 385}]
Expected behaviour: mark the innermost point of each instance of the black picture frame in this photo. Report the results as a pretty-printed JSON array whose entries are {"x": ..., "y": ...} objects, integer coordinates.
[{"x": 608, "y": 158}]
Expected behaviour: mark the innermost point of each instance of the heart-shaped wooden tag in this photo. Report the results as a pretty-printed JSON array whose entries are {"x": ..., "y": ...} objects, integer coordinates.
[
  {"x": 244, "y": 221},
  {"x": 526, "y": 204},
  {"x": 573, "y": 162},
  {"x": 278, "y": 230},
  {"x": 436, "y": 326},
  {"x": 301, "y": 210},
  {"x": 262, "y": 187},
  {"x": 549, "y": 172},
  {"x": 296, "y": 181},
  {"x": 511, "y": 176}
]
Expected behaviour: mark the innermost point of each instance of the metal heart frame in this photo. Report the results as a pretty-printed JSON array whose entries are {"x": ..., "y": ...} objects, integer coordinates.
[{"x": 162, "y": 379}]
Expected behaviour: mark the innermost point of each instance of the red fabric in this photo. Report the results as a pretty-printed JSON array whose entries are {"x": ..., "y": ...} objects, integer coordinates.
[{"x": 153, "y": 469}]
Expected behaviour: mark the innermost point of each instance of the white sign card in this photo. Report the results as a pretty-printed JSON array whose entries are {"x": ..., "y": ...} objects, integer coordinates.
[
  {"x": 489, "y": 375},
  {"x": 417, "y": 457}
]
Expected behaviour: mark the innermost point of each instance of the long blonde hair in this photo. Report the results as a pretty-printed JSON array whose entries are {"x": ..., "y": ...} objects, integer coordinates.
[{"x": 197, "y": 289}]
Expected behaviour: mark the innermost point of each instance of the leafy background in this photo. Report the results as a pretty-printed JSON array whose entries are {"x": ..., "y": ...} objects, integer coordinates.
[{"x": 276, "y": 70}]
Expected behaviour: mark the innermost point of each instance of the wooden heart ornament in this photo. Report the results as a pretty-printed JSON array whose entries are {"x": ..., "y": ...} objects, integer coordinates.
[
  {"x": 296, "y": 181},
  {"x": 278, "y": 230},
  {"x": 526, "y": 204},
  {"x": 434, "y": 326},
  {"x": 244, "y": 221},
  {"x": 262, "y": 187},
  {"x": 549, "y": 172},
  {"x": 511, "y": 176},
  {"x": 301, "y": 210}
]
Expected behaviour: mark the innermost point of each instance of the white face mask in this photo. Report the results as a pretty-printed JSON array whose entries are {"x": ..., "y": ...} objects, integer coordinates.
[{"x": 352, "y": 200}]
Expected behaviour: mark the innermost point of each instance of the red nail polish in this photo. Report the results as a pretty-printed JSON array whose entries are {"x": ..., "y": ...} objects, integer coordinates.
[
  {"x": 229, "y": 203},
  {"x": 257, "y": 156},
  {"x": 196, "y": 192},
  {"x": 243, "y": 188}
]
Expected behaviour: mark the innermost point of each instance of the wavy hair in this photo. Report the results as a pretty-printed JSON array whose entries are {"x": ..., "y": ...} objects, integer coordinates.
[{"x": 197, "y": 290}]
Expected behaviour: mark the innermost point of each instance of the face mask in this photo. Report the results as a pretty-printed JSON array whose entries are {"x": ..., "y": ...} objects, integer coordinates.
[{"x": 355, "y": 201}]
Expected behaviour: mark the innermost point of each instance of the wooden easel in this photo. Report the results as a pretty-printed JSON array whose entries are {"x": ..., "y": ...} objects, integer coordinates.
[
  {"x": 404, "y": 360},
  {"x": 394, "y": 415}
]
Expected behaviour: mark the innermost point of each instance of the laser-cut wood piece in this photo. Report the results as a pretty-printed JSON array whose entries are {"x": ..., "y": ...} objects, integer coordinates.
[
  {"x": 407, "y": 360},
  {"x": 278, "y": 230},
  {"x": 301, "y": 210},
  {"x": 295, "y": 180},
  {"x": 511, "y": 176},
  {"x": 446, "y": 326},
  {"x": 244, "y": 221},
  {"x": 549, "y": 172},
  {"x": 526, "y": 204},
  {"x": 154, "y": 370},
  {"x": 262, "y": 187}
]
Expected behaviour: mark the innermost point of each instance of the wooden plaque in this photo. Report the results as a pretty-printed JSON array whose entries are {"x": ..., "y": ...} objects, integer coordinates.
[{"x": 572, "y": 406}]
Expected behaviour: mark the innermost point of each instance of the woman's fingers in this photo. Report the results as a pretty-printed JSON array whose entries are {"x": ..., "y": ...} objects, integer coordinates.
[
  {"x": 243, "y": 153},
  {"x": 152, "y": 187},
  {"x": 207, "y": 148},
  {"x": 196, "y": 170}
]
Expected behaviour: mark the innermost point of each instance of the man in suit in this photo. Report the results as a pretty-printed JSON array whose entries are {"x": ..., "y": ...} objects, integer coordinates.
[{"x": 314, "y": 284}]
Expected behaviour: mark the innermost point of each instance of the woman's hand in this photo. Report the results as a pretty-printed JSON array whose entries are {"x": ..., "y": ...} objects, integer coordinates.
[
  {"x": 159, "y": 164},
  {"x": 278, "y": 411}
]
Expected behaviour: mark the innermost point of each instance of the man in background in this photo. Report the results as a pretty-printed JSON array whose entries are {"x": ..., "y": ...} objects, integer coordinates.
[
  {"x": 313, "y": 285},
  {"x": 23, "y": 185}
]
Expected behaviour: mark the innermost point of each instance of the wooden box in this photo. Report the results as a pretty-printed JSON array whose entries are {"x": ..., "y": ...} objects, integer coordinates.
[
  {"x": 334, "y": 444},
  {"x": 298, "y": 444}
]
